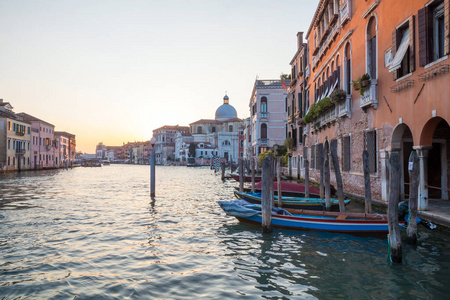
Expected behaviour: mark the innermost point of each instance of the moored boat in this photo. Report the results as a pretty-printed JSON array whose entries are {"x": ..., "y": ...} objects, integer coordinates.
[
  {"x": 307, "y": 219},
  {"x": 290, "y": 189},
  {"x": 291, "y": 202},
  {"x": 247, "y": 178}
]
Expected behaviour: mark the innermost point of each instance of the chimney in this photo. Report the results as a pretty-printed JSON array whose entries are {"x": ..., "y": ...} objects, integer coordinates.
[{"x": 300, "y": 40}]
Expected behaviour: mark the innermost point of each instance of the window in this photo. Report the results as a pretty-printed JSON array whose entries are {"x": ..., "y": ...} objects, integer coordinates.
[
  {"x": 213, "y": 129},
  {"x": 347, "y": 70},
  {"x": 9, "y": 125},
  {"x": 263, "y": 107},
  {"x": 372, "y": 48},
  {"x": 346, "y": 153},
  {"x": 403, "y": 49},
  {"x": 371, "y": 146},
  {"x": 9, "y": 161},
  {"x": 199, "y": 129},
  {"x": 263, "y": 131},
  {"x": 432, "y": 32},
  {"x": 9, "y": 144},
  {"x": 230, "y": 128}
]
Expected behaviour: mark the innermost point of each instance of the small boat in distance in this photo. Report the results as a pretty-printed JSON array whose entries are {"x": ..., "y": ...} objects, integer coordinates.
[
  {"x": 309, "y": 219},
  {"x": 291, "y": 202}
]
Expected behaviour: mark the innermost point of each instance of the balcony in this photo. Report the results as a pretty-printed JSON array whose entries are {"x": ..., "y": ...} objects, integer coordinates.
[
  {"x": 21, "y": 151},
  {"x": 370, "y": 96},
  {"x": 21, "y": 133},
  {"x": 344, "y": 109},
  {"x": 48, "y": 148},
  {"x": 263, "y": 115},
  {"x": 345, "y": 11},
  {"x": 264, "y": 142}
]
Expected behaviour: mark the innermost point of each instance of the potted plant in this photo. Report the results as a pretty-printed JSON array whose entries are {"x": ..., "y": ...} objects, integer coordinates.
[
  {"x": 338, "y": 96},
  {"x": 364, "y": 81}
]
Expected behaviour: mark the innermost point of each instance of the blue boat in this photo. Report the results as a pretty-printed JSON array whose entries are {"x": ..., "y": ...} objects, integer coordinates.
[
  {"x": 309, "y": 219},
  {"x": 292, "y": 202}
]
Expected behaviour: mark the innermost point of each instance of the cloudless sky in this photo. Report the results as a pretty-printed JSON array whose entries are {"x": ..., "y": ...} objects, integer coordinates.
[{"x": 113, "y": 71}]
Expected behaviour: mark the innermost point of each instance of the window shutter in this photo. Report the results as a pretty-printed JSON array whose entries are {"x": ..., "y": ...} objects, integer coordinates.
[
  {"x": 394, "y": 50},
  {"x": 447, "y": 27},
  {"x": 412, "y": 49},
  {"x": 371, "y": 145},
  {"x": 421, "y": 18}
]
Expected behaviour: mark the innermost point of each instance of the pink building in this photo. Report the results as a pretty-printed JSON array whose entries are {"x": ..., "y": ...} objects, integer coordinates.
[{"x": 43, "y": 145}]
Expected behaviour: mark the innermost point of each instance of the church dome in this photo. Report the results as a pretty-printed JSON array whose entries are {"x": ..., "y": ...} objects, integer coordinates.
[{"x": 225, "y": 111}]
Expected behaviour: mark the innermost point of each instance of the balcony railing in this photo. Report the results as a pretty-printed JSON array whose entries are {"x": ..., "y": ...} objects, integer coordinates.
[
  {"x": 18, "y": 132},
  {"x": 21, "y": 151},
  {"x": 370, "y": 96},
  {"x": 264, "y": 115},
  {"x": 345, "y": 108},
  {"x": 264, "y": 141},
  {"x": 345, "y": 11}
]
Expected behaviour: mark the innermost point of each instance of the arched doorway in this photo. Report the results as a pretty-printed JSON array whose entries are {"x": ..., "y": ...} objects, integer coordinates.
[
  {"x": 402, "y": 140},
  {"x": 434, "y": 139}
]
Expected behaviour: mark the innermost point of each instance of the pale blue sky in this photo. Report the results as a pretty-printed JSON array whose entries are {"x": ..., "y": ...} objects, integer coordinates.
[{"x": 112, "y": 71}]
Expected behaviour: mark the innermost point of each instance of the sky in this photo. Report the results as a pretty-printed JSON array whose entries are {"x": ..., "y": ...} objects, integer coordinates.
[{"x": 113, "y": 71}]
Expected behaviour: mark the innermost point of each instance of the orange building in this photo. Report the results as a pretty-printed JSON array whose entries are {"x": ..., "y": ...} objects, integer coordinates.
[{"x": 377, "y": 79}]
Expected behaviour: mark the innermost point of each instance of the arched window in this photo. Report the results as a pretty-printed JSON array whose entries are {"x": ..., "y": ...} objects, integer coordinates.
[
  {"x": 230, "y": 128},
  {"x": 199, "y": 129},
  {"x": 371, "y": 47},
  {"x": 332, "y": 66},
  {"x": 213, "y": 129},
  {"x": 263, "y": 107},
  {"x": 226, "y": 143},
  {"x": 347, "y": 69},
  {"x": 264, "y": 131}
]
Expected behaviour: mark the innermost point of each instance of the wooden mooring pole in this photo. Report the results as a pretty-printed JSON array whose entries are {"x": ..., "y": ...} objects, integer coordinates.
[
  {"x": 241, "y": 175},
  {"x": 368, "y": 193},
  {"x": 326, "y": 175},
  {"x": 280, "y": 201},
  {"x": 152, "y": 173},
  {"x": 266, "y": 199},
  {"x": 306, "y": 163},
  {"x": 413, "y": 170},
  {"x": 253, "y": 173},
  {"x": 395, "y": 242},
  {"x": 320, "y": 165},
  {"x": 222, "y": 165},
  {"x": 337, "y": 171}
]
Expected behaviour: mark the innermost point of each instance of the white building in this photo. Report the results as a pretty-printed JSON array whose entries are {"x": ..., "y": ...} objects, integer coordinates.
[{"x": 222, "y": 133}]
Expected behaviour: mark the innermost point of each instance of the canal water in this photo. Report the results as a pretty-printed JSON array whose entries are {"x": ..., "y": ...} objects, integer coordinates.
[{"x": 94, "y": 233}]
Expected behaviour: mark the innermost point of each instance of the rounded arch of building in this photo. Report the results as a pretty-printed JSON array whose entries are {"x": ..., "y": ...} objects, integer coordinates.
[
  {"x": 397, "y": 136},
  {"x": 426, "y": 135}
]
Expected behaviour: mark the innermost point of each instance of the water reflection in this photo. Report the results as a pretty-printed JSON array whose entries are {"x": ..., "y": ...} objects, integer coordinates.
[{"x": 95, "y": 233}]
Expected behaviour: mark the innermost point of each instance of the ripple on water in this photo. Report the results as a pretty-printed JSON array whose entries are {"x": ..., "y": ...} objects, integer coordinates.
[{"x": 95, "y": 233}]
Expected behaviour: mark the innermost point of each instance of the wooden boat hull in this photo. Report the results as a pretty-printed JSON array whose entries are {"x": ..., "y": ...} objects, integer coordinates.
[
  {"x": 292, "y": 202},
  {"x": 310, "y": 220},
  {"x": 246, "y": 178}
]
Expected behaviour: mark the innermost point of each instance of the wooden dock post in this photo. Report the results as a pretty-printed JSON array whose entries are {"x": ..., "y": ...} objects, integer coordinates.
[
  {"x": 337, "y": 171},
  {"x": 273, "y": 174},
  {"x": 266, "y": 200},
  {"x": 280, "y": 201},
  {"x": 241, "y": 175},
  {"x": 306, "y": 163},
  {"x": 320, "y": 164},
  {"x": 326, "y": 175},
  {"x": 368, "y": 193},
  {"x": 253, "y": 173},
  {"x": 414, "y": 170},
  {"x": 222, "y": 165},
  {"x": 395, "y": 241},
  {"x": 152, "y": 168}
]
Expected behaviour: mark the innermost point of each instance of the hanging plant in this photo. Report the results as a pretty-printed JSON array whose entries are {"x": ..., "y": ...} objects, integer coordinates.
[{"x": 338, "y": 96}]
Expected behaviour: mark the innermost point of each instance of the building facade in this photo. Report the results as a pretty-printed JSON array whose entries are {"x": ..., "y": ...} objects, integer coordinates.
[
  {"x": 165, "y": 142},
  {"x": 15, "y": 137},
  {"x": 66, "y": 148},
  {"x": 268, "y": 116},
  {"x": 44, "y": 154},
  {"x": 379, "y": 73}
]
